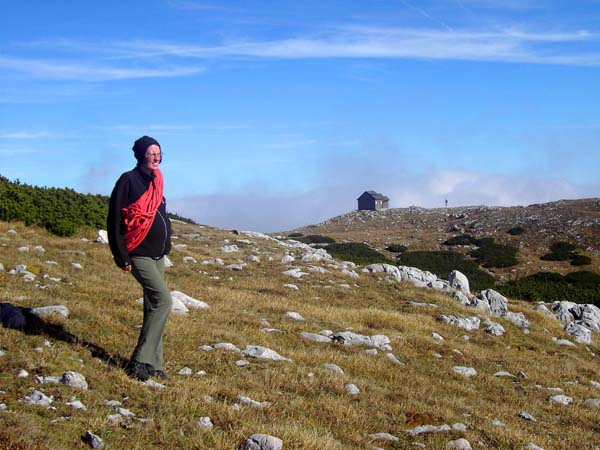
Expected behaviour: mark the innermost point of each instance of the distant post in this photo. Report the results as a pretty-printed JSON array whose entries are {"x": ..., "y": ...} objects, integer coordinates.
[{"x": 446, "y": 201}]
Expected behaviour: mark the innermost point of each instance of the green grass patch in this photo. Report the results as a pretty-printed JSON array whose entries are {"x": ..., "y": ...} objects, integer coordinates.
[{"x": 443, "y": 262}]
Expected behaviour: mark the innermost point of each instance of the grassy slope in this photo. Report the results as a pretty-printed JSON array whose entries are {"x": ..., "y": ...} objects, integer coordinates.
[{"x": 310, "y": 407}]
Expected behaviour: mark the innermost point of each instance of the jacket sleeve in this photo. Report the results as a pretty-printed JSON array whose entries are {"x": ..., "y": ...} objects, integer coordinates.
[
  {"x": 118, "y": 200},
  {"x": 169, "y": 229}
]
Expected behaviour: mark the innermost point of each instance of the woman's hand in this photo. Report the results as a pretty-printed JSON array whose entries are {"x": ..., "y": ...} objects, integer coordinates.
[{"x": 126, "y": 268}]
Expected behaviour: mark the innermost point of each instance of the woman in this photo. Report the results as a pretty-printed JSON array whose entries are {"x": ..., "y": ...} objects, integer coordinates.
[{"x": 139, "y": 234}]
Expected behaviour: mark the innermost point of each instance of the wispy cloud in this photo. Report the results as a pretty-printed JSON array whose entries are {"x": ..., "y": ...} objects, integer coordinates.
[
  {"x": 24, "y": 134},
  {"x": 57, "y": 70},
  {"x": 127, "y": 128}
]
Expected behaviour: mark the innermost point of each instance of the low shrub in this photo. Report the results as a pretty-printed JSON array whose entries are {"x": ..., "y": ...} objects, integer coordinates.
[
  {"x": 396, "y": 248},
  {"x": 295, "y": 235},
  {"x": 316, "y": 239},
  {"x": 583, "y": 277},
  {"x": 358, "y": 253},
  {"x": 562, "y": 247},
  {"x": 463, "y": 239},
  {"x": 557, "y": 256},
  {"x": 442, "y": 263},
  {"x": 580, "y": 260},
  {"x": 549, "y": 286},
  {"x": 491, "y": 254},
  {"x": 515, "y": 231}
]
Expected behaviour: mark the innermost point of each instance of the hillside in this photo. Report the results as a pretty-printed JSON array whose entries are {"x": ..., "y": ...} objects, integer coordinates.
[
  {"x": 418, "y": 379},
  {"x": 576, "y": 221}
]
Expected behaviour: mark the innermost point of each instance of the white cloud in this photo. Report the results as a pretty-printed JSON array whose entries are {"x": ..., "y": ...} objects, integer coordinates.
[
  {"x": 52, "y": 69},
  {"x": 24, "y": 134}
]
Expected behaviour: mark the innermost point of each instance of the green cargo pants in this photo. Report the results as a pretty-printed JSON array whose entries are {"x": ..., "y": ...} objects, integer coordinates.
[{"x": 149, "y": 272}]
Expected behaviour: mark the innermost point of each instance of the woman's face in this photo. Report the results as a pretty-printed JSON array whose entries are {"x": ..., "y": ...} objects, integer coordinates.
[{"x": 153, "y": 158}]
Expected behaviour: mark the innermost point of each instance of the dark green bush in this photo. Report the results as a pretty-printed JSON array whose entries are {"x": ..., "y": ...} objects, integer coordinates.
[
  {"x": 516, "y": 230},
  {"x": 295, "y": 235},
  {"x": 583, "y": 277},
  {"x": 557, "y": 256},
  {"x": 463, "y": 239},
  {"x": 442, "y": 263},
  {"x": 176, "y": 216},
  {"x": 316, "y": 239},
  {"x": 580, "y": 260},
  {"x": 60, "y": 211},
  {"x": 549, "y": 286},
  {"x": 396, "y": 248},
  {"x": 562, "y": 247},
  {"x": 357, "y": 252},
  {"x": 491, "y": 254}
]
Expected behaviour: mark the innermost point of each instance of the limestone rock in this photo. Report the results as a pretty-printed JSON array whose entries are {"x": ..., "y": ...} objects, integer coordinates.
[
  {"x": 262, "y": 442},
  {"x": 294, "y": 316},
  {"x": 352, "y": 389},
  {"x": 315, "y": 337},
  {"x": 74, "y": 380},
  {"x": 465, "y": 371},
  {"x": 428, "y": 429},
  {"x": 384, "y": 437},
  {"x": 459, "y": 281},
  {"x": 498, "y": 303},
  {"x": 205, "y": 423},
  {"x": 561, "y": 399},
  {"x": 333, "y": 368},
  {"x": 258, "y": 352},
  {"x": 102, "y": 237},
  {"x": 350, "y": 338},
  {"x": 37, "y": 398},
  {"x": 470, "y": 323},
  {"x": 460, "y": 444},
  {"x": 92, "y": 440},
  {"x": 42, "y": 311}
]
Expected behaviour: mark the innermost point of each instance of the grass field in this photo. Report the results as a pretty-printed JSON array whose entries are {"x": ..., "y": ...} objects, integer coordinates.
[{"x": 310, "y": 408}]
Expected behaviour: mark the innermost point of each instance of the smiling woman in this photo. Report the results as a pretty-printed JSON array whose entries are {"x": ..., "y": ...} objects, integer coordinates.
[{"x": 139, "y": 234}]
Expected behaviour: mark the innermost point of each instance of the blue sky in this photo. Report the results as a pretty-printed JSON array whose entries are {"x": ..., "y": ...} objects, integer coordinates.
[{"x": 277, "y": 114}]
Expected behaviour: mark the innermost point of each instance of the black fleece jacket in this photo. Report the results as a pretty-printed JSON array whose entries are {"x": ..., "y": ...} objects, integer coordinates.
[{"x": 130, "y": 187}]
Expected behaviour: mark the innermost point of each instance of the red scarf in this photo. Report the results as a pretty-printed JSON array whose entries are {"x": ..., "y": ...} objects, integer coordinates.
[{"x": 139, "y": 216}]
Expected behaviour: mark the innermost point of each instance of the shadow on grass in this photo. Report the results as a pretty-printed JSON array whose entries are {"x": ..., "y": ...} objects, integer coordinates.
[{"x": 20, "y": 318}]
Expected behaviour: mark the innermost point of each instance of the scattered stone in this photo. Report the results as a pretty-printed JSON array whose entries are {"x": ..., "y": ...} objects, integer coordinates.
[
  {"x": 258, "y": 352},
  {"x": 315, "y": 337},
  {"x": 154, "y": 384},
  {"x": 11, "y": 232},
  {"x": 236, "y": 267},
  {"x": 92, "y": 440},
  {"x": 39, "y": 249},
  {"x": 186, "y": 371},
  {"x": 112, "y": 403},
  {"x": 42, "y": 311},
  {"x": 581, "y": 334},
  {"x": 498, "y": 304},
  {"x": 350, "y": 338},
  {"x": 384, "y": 437},
  {"x": 437, "y": 337},
  {"x": 22, "y": 374},
  {"x": 459, "y": 281},
  {"x": 493, "y": 328},
  {"x": 189, "y": 259},
  {"x": 270, "y": 330},
  {"x": 102, "y": 237},
  {"x": 242, "y": 363},
  {"x": 74, "y": 380},
  {"x": 76, "y": 404},
  {"x": 287, "y": 259},
  {"x": 564, "y": 342},
  {"x": 504, "y": 374},
  {"x": 333, "y": 367},
  {"x": 498, "y": 423},
  {"x": 517, "y": 318},
  {"x": 526, "y": 416},
  {"x": 393, "y": 358},
  {"x": 23, "y": 249},
  {"x": 428, "y": 429},
  {"x": 532, "y": 446},
  {"x": 205, "y": 423},
  {"x": 262, "y": 442},
  {"x": 229, "y": 249},
  {"x": 291, "y": 286},
  {"x": 352, "y": 389},
  {"x": 168, "y": 262},
  {"x": 226, "y": 346},
  {"x": 469, "y": 323},
  {"x": 295, "y": 273},
  {"x": 459, "y": 426},
  {"x": 37, "y": 398},
  {"x": 76, "y": 266},
  {"x": 253, "y": 403},
  {"x": 561, "y": 399},
  {"x": 294, "y": 316},
  {"x": 465, "y": 371},
  {"x": 371, "y": 351},
  {"x": 593, "y": 402},
  {"x": 461, "y": 444}
]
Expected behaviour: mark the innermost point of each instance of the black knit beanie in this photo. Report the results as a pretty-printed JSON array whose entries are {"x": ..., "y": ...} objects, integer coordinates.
[{"x": 141, "y": 145}]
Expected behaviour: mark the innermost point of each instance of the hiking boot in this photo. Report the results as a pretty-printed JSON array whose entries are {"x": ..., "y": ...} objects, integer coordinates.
[
  {"x": 137, "y": 370},
  {"x": 160, "y": 374}
]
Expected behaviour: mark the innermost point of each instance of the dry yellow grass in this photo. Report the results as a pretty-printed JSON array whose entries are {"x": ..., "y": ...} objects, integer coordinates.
[{"x": 310, "y": 407}]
